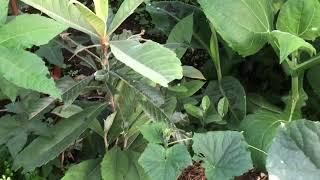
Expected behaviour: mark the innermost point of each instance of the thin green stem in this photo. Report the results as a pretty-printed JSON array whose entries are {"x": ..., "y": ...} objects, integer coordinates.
[
  {"x": 294, "y": 86},
  {"x": 308, "y": 64},
  {"x": 214, "y": 53},
  {"x": 257, "y": 149},
  {"x": 178, "y": 141}
]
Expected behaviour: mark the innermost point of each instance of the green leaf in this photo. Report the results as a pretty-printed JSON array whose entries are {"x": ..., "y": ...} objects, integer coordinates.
[
  {"x": 153, "y": 133},
  {"x": 301, "y": 18},
  {"x": 257, "y": 103},
  {"x": 66, "y": 112},
  {"x": 125, "y": 10},
  {"x": 289, "y": 43},
  {"x": 182, "y": 34},
  {"x": 41, "y": 32},
  {"x": 192, "y": 87},
  {"x": 223, "y": 106},
  {"x": 89, "y": 169},
  {"x": 9, "y": 89},
  {"x": 150, "y": 59},
  {"x": 205, "y": 103},
  {"x": 234, "y": 93},
  {"x": 166, "y": 14},
  {"x": 61, "y": 136},
  {"x": 101, "y": 8},
  {"x": 95, "y": 21},
  {"x": 194, "y": 111},
  {"x": 191, "y": 72},
  {"x": 294, "y": 152},
  {"x": 121, "y": 165},
  {"x": 3, "y": 11},
  {"x": 26, "y": 70},
  {"x": 224, "y": 153},
  {"x": 259, "y": 130},
  {"x": 243, "y": 24},
  {"x": 64, "y": 12},
  {"x": 165, "y": 164},
  {"x": 39, "y": 107},
  {"x": 53, "y": 54}
]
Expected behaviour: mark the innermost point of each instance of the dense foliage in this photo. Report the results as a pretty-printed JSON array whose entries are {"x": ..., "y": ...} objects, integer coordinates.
[{"x": 134, "y": 89}]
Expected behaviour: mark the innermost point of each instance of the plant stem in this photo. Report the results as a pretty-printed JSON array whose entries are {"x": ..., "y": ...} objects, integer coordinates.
[
  {"x": 294, "y": 86},
  {"x": 257, "y": 149},
  {"x": 214, "y": 53},
  {"x": 308, "y": 64},
  {"x": 181, "y": 140}
]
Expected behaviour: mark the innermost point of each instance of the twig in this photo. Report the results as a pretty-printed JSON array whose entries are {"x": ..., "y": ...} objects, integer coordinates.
[{"x": 14, "y": 7}]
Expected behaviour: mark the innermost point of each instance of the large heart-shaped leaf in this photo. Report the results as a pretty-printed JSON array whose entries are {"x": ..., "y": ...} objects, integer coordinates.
[
  {"x": 89, "y": 169},
  {"x": 244, "y": 24},
  {"x": 165, "y": 164},
  {"x": 125, "y": 10},
  {"x": 26, "y": 70},
  {"x": 150, "y": 59},
  {"x": 64, "y": 12},
  {"x": 3, "y": 11},
  {"x": 301, "y": 18},
  {"x": 225, "y": 154},
  {"x": 61, "y": 136},
  {"x": 294, "y": 152},
  {"x": 259, "y": 130},
  {"x": 19, "y": 33}
]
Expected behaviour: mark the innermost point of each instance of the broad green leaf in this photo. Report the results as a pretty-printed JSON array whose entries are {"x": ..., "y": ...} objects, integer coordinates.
[
  {"x": 259, "y": 130},
  {"x": 89, "y": 169},
  {"x": 289, "y": 43},
  {"x": 64, "y": 12},
  {"x": 182, "y": 34},
  {"x": 257, "y": 103},
  {"x": 95, "y": 21},
  {"x": 66, "y": 112},
  {"x": 101, "y": 8},
  {"x": 166, "y": 14},
  {"x": 191, "y": 72},
  {"x": 243, "y": 24},
  {"x": 194, "y": 111},
  {"x": 26, "y": 70},
  {"x": 19, "y": 33},
  {"x": 61, "y": 136},
  {"x": 165, "y": 164},
  {"x": 225, "y": 154},
  {"x": 3, "y": 11},
  {"x": 150, "y": 59},
  {"x": 153, "y": 133},
  {"x": 192, "y": 87},
  {"x": 9, "y": 89},
  {"x": 121, "y": 165},
  {"x": 301, "y": 18},
  {"x": 294, "y": 152},
  {"x": 53, "y": 54},
  {"x": 126, "y": 9},
  {"x": 234, "y": 92}
]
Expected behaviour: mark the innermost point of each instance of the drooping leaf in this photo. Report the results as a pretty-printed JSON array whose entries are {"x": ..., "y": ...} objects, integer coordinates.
[
  {"x": 64, "y": 12},
  {"x": 53, "y": 54},
  {"x": 224, "y": 154},
  {"x": 191, "y": 72},
  {"x": 101, "y": 8},
  {"x": 289, "y": 43},
  {"x": 259, "y": 130},
  {"x": 19, "y": 33},
  {"x": 293, "y": 153},
  {"x": 150, "y": 59},
  {"x": 244, "y": 24},
  {"x": 126, "y": 9},
  {"x": 166, "y": 14},
  {"x": 89, "y": 169},
  {"x": 165, "y": 164},
  {"x": 121, "y": 165},
  {"x": 3, "y": 11},
  {"x": 234, "y": 92},
  {"x": 61, "y": 136},
  {"x": 153, "y": 133},
  {"x": 94, "y": 20},
  {"x": 182, "y": 34},
  {"x": 192, "y": 87},
  {"x": 26, "y": 70},
  {"x": 300, "y": 18}
]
